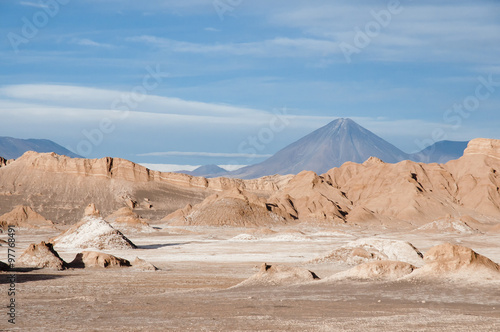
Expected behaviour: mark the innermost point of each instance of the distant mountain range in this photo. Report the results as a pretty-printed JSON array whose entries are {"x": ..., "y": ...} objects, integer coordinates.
[
  {"x": 440, "y": 152},
  {"x": 13, "y": 148},
  {"x": 340, "y": 141},
  {"x": 327, "y": 147},
  {"x": 206, "y": 171}
]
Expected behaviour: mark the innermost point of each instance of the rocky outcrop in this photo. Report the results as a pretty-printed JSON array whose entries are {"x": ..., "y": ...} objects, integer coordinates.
[
  {"x": 483, "y": 146},
  {"x": 63, "y": 186},
  {"x": 91, "y": 211},
  {"x": 90, "y": 259},
  {"x": 92, "y": 232},
  {"x": 278, "y": 275},
  {"x": 477, "y": 177},
  {"x": 377, "y": 270},
  {"x": 126, "y": 218},
  {"x": 121, "y": 169},
  {"x": 142, "y": 265},
  {"x": 230, "y": 208},
  {"x": 448, "y": 224},
  {"x": 406, "y": 194},
  {"x": 309, "y": 197},
  {"x": 456, "y": 262},
  {"x": 373, "y": 249},
  {"x": 418, "y": 192},
  {"x": 4, "y": 162},
  {"x": 406, "y": 191},
  {"x": 41, "y": 255},
  {"x": 24, "y": 217}
]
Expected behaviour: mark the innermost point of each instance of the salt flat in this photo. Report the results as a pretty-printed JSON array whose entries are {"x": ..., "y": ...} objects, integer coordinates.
[{"x": 194, "y": 289}]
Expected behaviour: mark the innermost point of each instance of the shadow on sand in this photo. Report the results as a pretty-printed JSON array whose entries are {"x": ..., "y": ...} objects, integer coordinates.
[
  {"x": 23, "y": 275},
  {"x": 157, "y": 246}
]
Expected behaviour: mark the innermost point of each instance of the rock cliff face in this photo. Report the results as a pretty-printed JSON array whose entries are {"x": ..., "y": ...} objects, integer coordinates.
[
  {"x": 477, "y": 176},
  {"x": 121, "y": 169},
  {"x": 309, "y": 197},
  {"x": 62, "y": 186}
]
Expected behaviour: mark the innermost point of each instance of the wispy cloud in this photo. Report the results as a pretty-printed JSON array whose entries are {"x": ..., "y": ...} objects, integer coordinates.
[
  {"x": 276, "y": 47},
  {"x": 33, "y": 4},
  {"x": 93, "y": 98},
  {"x": 89, "y": 42},
  {"x": 176, "y": 167},
  {"x": 203, "y": 154},
  {"x": 420, "y": 32}
]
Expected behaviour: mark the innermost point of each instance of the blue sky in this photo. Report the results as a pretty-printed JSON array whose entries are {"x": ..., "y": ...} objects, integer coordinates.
[{"x": 231, "y": 82}]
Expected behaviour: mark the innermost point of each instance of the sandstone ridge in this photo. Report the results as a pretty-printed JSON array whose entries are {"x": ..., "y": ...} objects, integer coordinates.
[
  {"x": 121, "y": 169},
  {"x": 406, "y": 194},
  {"x": 483, "y": 146}
]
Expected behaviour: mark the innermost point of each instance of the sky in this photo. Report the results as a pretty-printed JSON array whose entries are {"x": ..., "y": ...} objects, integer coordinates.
[{"x": 231, "y": 82}]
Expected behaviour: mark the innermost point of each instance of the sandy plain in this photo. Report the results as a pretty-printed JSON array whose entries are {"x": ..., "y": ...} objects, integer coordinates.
[{"x": 194, "y": 290}]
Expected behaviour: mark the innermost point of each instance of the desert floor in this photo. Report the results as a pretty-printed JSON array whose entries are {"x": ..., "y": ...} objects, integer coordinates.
[{"x": 199, "y": 265}]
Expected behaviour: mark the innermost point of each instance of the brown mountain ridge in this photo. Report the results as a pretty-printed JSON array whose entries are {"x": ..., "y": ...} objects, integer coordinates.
[{"x": 406, "y": 193}]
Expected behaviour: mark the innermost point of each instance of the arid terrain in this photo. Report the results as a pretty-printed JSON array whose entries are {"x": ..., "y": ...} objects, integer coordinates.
[
  {"x": 108, "y": 245},
  {"x": 192, "y": 291}
]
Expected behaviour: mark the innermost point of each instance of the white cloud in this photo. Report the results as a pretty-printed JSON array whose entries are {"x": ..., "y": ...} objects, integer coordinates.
[
  {"x": 277, "y": 47},
  {"x": 203, "y": 154},
  {"x": 89, "y": 42},
  {"x": 231, "y": 168},
  {"x": 451, "y": 31},
  {"x": 56, "y": 104},
  {"x": 170, "y": 167},
  {"x": 33, "y": 4},
  {"x": 103, "y": 99},
  {"x": 176, "y": 167}
]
